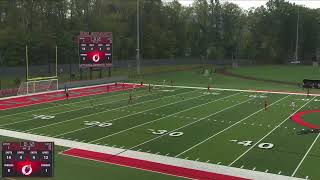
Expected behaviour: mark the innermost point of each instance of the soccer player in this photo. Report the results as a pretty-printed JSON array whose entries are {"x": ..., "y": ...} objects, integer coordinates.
[
  {"x": 265, "y": 104},
  {"x": 149, "y": 88},
  {"x": 67, "y": 94},
  {"x": 208, "y": 88},
  {"x": 130, "y": 98},
  {"x": 293, "y": 105}
]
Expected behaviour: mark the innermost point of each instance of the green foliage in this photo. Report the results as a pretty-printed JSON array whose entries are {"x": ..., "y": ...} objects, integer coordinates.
[{"x": 168, "y": 29}]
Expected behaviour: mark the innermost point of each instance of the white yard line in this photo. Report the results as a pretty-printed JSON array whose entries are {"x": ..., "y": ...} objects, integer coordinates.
[
  {"x": 304, "y": 157},
  {"x": 62, "y": 112},
  {"x": 66, "y": 104},
  {"x": 107, "y": 111},
  {"x": 189, "y": 124},
  {"x": 163, "y": 117},
  {"x": 228, "y": 127},
  {"x": 231, "y": 171},
  {"x": 240, "y": 90},
  {"x": 121, "y": 117},
  {"x": 268, "y": 133}
]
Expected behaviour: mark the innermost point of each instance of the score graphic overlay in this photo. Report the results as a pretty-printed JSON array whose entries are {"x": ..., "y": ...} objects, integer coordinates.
[
  {"x": 95, "y": 49},
  {"x": 27, "y": 159}
]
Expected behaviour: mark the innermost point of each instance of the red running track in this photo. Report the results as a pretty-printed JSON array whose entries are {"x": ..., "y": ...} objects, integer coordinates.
[
  {"x": 23, "y": 101},
  {"x": 148, "y": 165}
]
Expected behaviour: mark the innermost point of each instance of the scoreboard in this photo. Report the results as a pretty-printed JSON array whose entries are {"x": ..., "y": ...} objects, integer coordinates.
[
  {"x": 27, "y": 159},
  {"x": 95, "y": 49}
]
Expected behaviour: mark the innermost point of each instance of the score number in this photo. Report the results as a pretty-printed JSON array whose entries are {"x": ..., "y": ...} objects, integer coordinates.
[
  {"x": 97, "y": 124},
  {"x": 249, "y": 143},
  {"x": 163, "y": 132}
]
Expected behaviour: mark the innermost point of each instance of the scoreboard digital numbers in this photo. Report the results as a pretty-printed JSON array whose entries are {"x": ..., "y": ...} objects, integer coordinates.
[
  {"x": 27, "y": 159},
  {"x": 95, "y": 49}
]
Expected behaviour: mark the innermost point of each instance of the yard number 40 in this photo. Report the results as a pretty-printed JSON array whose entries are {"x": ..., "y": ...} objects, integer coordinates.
[{"x": 261, "y": 145}]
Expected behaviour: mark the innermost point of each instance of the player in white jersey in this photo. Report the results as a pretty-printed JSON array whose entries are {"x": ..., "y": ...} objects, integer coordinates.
[{"x": 293, "y": 105}]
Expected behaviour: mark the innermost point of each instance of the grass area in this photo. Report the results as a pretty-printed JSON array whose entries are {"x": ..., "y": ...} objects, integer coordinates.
[
  {"x": 288, "y": 73},
  {"x": 222, "y": 127},
  {"x": 195, "y": 78}
]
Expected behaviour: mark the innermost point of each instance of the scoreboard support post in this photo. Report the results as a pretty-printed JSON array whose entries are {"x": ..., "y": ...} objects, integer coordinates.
[
  {"x": 80, "y": 73},
  {"x": 90, "y": 73}
]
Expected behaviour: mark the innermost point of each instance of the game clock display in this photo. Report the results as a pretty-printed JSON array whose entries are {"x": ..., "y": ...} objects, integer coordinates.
[
  {"x": 27, "y": 159},
  {"x": 95, "y": 49}
]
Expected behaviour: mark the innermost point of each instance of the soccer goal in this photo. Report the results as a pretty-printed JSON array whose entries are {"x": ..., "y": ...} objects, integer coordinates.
[{"x": 38, "y": 86}]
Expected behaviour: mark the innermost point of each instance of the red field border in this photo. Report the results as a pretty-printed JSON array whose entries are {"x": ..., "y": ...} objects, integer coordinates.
[
  {"x": 297, "y": 118},
  {"x": 148, "y": 165},
  {"x": 28, "y": 100}
]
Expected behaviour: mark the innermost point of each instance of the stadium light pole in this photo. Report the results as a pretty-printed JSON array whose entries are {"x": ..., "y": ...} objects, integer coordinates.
[
  {"x": 297, "y": 38},
  {"x": 138, "y": 36}
]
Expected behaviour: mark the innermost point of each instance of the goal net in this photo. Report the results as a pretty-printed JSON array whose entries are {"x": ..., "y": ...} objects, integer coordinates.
[{"x": 38, "y": 86}]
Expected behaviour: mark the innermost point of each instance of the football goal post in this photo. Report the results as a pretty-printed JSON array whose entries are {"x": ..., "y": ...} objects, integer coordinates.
[{"x": 39, "y": 84}]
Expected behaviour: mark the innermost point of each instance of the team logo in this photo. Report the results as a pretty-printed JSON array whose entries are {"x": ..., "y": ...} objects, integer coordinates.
[
  {"x": 96, "y": 58},
  {"x": 26, "y": 170}
]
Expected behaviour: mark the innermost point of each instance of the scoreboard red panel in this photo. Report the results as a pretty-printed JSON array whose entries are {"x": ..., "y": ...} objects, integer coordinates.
[
  {"x": 95, "y": 49},
  {"x": 27, "y": 159}
]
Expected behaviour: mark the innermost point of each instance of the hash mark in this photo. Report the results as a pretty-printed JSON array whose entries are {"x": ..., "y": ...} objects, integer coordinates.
[
  {"x": 197, "y": 159},
  {"x": 254, "y": 169},
  {"x": 208, "y": 161},
  {"x": 241, "y": 167},
  {"x": 266, "y": 170},
  {"x": 219, "y": 163},
  {"x": 279, "y": 172},
  {"x": 167, "y": 154}
]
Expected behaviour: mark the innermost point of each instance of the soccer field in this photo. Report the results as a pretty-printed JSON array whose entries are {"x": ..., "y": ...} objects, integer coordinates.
[{"x": 223, "y": 127}]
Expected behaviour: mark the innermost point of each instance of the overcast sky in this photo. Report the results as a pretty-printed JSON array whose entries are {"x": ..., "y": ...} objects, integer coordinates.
[{"x": 246, "y": 4}]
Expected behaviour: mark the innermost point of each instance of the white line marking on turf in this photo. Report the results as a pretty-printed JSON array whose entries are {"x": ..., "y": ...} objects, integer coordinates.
[
  {"x": 242, "y": 166},
  {"x": 279, "y": 172},
  {"x": 174, "y": 114},
  {"x": 63, "y": 112},
  {"x": 103, "y": 112},
  {"x": 208, "y": 161},
  {"x": 208, "y": 167},
  {"x": 254, "y": 169},
  {"x": 121, "y": 117},
  {"x": 266, "y": 170},
  {"x": 241, "y": 90},
  {"x": 189, "y": 124},
  {"x": 66, "y": 104},
  {"x": 297, "y": 168},
  {"x": 268, "y": 134},
  {"x": 228, "y": 127},
  {"x": 219, "y": 163}
]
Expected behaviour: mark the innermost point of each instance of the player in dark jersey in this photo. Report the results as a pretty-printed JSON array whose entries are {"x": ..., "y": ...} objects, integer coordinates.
[
  {"x": 67, "y": 94},
  {"x": 130, "y": 99},
  {"x": 265, "y": 104}
]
